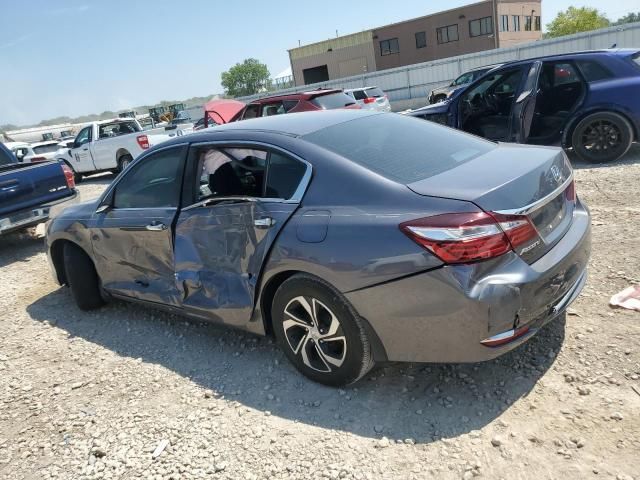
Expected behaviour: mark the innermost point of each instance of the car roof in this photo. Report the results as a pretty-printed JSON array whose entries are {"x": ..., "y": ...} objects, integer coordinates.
[
  {"x": 359, "y": 88},
  {"x": 299, "y": 95},
  {"x": 620, "y": 52},
  {"x": 292, "y": 124},
  {"x": 16, "y": 144}
]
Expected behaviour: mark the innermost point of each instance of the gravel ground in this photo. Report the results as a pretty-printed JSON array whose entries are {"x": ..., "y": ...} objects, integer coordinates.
[{"x": 128, "y": 392}]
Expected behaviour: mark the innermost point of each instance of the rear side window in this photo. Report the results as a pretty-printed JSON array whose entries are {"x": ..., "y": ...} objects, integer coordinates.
[
  {"x": 283, "y": 176},
  {"x": 401, "y": 148},
  {"x": 333, "y": 100},
  {"x": 636, "y": 59},
  {"x": 593, "y": 71},
  {"x": 153, "y": 183}
]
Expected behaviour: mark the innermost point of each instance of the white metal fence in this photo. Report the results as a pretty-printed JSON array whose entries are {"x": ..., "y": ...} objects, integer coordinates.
[{"x": 416, "y": 81}]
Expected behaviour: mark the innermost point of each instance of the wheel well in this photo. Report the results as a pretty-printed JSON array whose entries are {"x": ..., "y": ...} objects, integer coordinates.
[
  {"x": 57, "y": 257},
  {"x": 121, "y": 153},
  {"x": 269, "y": 292},
  {"x": 568, "y": 142}
]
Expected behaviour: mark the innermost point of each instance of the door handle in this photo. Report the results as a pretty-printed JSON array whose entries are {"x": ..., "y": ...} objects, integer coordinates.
[
  {"x": 265, "y": 222},
  {"x": 85, "y": 149},
  {"x": 156, "y": 227}
]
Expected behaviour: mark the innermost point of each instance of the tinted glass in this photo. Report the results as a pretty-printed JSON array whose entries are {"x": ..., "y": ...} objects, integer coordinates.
[
  {"x": 153, "y": 183},
  {"x": 593, "y": 71},
  {"x": 564, "y": 73},
  {"x": 289, "y": 105},
  {"x": 6, "y": 157},
  {"x": 251, "y": 111},
  {"x": 284, "y": 176},
  {"x": 46, "y": 148},
  {"x": 374, "y": 92},
  {"x": 359, "y": 94},
  {"x": 333, "y": 100},
  {"x": 401, "y": 148},
  {"x": 230, "y": 172}
]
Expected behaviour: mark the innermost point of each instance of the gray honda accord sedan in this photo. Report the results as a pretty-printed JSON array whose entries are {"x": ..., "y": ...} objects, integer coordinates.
[{"x": 352, "y": 237}]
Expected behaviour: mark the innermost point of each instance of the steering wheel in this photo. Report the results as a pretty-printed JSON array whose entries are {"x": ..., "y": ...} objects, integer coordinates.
[{"x": 490, "y": 101}]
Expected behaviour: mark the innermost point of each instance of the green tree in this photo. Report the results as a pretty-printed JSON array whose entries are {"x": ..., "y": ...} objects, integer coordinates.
[
  {"x": 246, "y": 78},
  {"x": 575, "y": 20},
  {"x": 628, "y": 18}
]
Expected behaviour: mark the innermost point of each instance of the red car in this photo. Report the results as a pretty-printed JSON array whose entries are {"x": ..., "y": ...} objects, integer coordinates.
[{"x": 225, "y": 111}]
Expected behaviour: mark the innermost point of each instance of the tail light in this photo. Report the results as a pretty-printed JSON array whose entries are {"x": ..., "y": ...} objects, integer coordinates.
[
  {"x": 68, "y": 175},
  {"x": 468, "y": 237},
  {"x": 369, "y": 100},
  {"x": 38, "y": 159},
  {"x": 570, "y": 192},
  {"x": 143, "y": 141}
]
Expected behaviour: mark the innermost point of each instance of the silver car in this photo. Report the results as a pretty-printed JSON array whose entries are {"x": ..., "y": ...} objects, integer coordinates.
[{"x": 370, "y": 98}]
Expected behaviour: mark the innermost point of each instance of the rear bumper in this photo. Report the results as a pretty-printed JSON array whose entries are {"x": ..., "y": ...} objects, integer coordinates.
[
  {"x": 444, "y": 315},
  {"x": 32, "y": 216}
]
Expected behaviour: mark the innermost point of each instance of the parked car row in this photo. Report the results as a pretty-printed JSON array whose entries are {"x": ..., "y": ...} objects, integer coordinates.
[{"x": 586, "y": 101}]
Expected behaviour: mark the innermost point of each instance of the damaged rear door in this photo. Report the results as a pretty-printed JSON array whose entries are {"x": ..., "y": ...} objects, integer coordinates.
[{"x": 242, "y": 195}]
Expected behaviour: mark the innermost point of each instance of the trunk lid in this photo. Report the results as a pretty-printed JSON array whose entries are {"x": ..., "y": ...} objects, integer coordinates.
[{"x": 535, "y": 182}]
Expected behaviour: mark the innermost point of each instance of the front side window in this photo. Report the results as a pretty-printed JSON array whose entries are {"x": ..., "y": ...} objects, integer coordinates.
[
  {"x": 421, "y": 39},
  {"x": 481, "y": 26},
  {"x": 388, "y": 47},
  {"x": 516, "y": 23},
  {"x": 504, "y": 23},
  {"x": 152, "y": 183},
  {"x": 447, "y": 34},
  {"x": 116, "y": 129},
  {"x": 83, "y": 137},
  {"x": 463, "y": 79},
  {"x": 246, "y": 172}
]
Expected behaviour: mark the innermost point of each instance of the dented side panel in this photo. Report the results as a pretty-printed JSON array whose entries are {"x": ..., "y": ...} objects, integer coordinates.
[{"x": 219, "y": 256}]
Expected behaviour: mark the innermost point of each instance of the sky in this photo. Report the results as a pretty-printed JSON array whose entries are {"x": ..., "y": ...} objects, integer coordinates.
[{"x": 75, "y": 57}]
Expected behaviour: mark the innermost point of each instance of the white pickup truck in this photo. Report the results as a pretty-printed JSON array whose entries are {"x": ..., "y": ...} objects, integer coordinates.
[{"x": 108, "y": 145}]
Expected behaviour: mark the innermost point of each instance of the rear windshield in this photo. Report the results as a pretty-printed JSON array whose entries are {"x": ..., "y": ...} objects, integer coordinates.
[
  {"x": 374, "y": 92},
  {"x": 53, "y": 147},
  {"x": 116, "y": 129},
  {"x": 401, "y": 148},
  {"x": 333, "y": 100}
]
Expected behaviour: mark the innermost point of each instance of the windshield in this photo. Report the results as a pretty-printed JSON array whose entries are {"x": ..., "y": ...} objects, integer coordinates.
[
  {"x": 400, "y": 148},
  {"x": 52, "y": 147}
]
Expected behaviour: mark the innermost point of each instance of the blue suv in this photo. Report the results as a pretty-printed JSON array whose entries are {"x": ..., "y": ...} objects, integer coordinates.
[{"x": 586, "y": 101}]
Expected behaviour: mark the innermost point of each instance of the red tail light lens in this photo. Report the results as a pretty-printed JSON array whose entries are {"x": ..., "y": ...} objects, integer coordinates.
[
  {"x": 369, "y": 100},
  {"x": 469, "y": 237},
  {"x": 68, "y": 175},
  {"x": 143, "y": 141},
  {"x": 38, "y": 159},
  {"x": 570, "y": 192}
]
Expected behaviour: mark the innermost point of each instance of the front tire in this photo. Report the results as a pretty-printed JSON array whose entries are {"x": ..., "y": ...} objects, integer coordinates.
[
  {"x": 320, "y": 332},
  {"x": 82, "y": 278},
  {"x": 602, "y": 137}
]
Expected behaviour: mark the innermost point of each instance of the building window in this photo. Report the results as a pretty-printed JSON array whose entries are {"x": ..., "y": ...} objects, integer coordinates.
[
  {"x": 387, "y": 47},
  {"x": 504, "y": 23},
  {"x": 527, "y": 23},
  {"x": 481, "y": 26},
  {"x": 447, "y": 34},
  {"x": 537, "y": 23},
  {"x": 516, "y": 23},
  {"x": 421, "y": 39}
]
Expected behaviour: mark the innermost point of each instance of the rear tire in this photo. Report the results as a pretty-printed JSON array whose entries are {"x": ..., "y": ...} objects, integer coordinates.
[
  {"x": 602, "y": 137},
  {"x": 123, "y": 162},
  {"x": 82, "y": 278},
  {"x": 320, "y": 332}
]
